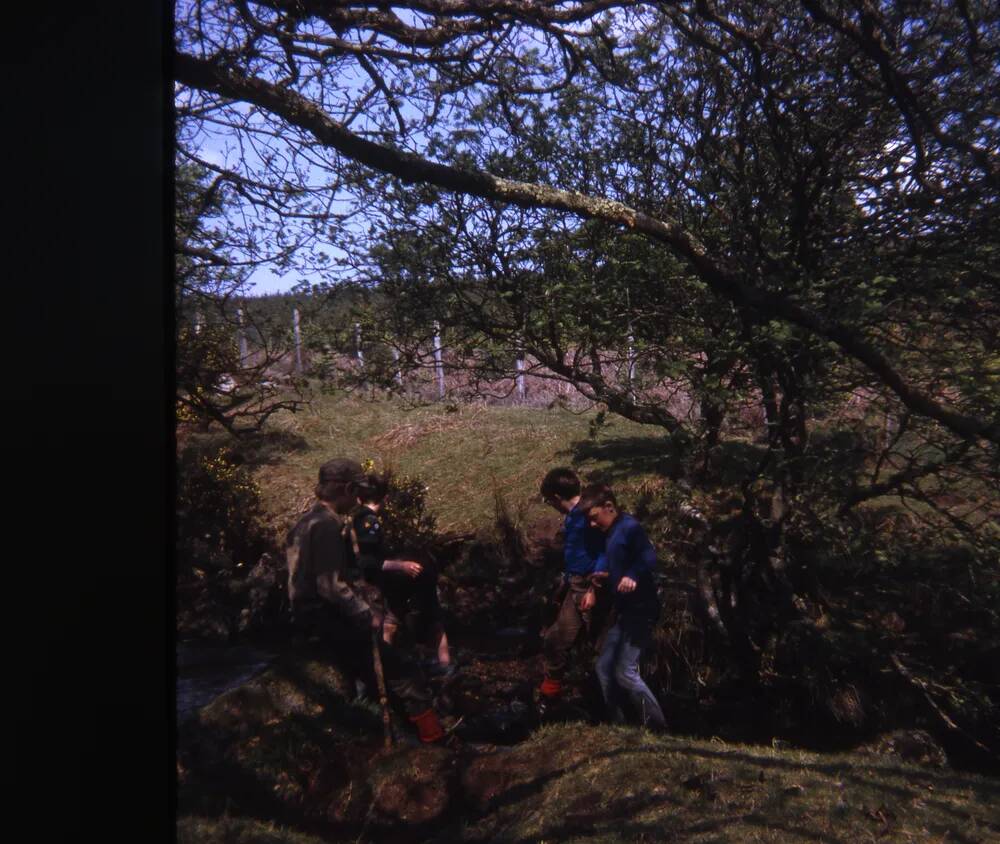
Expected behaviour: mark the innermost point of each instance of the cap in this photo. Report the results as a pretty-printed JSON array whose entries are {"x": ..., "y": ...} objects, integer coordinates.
[{"x": 341, "y": 469}]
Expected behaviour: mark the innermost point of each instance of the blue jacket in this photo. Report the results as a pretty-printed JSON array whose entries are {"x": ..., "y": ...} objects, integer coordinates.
[
  {"x": 629, "y": 553},
  {"x": 583, "y": 546}
]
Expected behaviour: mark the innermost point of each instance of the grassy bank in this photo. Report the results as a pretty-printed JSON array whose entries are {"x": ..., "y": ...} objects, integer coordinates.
[
  {"x": 569, "y": 784},
  {"x": 464, "y": 455},
  {"x": 621, "y": 784}
]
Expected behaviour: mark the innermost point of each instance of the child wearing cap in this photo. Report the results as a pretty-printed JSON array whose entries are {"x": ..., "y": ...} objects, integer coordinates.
[{"x": 327, "y": 604}]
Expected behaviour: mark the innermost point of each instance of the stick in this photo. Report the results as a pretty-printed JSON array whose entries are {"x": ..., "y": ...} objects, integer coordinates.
[
  {"x": 383, "y": 697},
  {"x": 922, "y": 685}
]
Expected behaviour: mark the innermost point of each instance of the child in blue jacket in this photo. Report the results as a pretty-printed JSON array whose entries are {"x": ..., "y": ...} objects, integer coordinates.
[
  {"x": 583, "y": 548},
  {"x": 626, "y": 571}
]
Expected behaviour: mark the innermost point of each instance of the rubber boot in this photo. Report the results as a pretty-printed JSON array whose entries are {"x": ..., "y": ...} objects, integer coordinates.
[
  {"x": 548, "y": 695},
  {"x": 550, "y": 688},
  {"x": 429, "y": 727}
]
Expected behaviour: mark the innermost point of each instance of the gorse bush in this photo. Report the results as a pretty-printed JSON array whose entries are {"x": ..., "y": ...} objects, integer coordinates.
[
  {"x": 407, "y": 522},
  {"x": 219, "y": 512}
]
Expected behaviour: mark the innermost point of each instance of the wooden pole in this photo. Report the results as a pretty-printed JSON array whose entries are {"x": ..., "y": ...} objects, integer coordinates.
[
  {"x": 383, "y": 696},
  {"x": 399, "y": 372},
  {"x": 241, "y": 338},
  {"x": 297, "y": 329},
  {"x": 438, "y": 361},
  {"x": 519, "y": 378}
]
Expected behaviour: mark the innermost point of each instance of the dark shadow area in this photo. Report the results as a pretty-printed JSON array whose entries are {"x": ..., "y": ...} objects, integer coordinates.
[
  {"x": 732, "y": 461},
  {"x": 267, "y": 447},
  {"x": 253, "y": 449},
  {"x": 628, "y": 457}
]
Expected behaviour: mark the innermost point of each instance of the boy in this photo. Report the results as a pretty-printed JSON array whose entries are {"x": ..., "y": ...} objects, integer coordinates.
[
  {"x": 583, "y": 549},
  {"x": 328, "y": 606},
  {"x": 408, "y": 588},
  {"x": 627, "y": 570}
]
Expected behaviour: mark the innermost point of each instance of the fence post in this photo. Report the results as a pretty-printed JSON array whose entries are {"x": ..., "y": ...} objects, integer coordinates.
[
  {"x": 438, "y": 362},
  {"x": 357, "y": 344},
  {"x": 519, "y": 378},
  {"x": 399, "y": 372},
  {"x": 241, "y": 338},
  {"x": 297, "y": 331}
]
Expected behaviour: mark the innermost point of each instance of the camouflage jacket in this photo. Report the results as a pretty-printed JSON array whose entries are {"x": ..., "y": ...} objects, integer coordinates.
[{"x": 317, "y": 559}]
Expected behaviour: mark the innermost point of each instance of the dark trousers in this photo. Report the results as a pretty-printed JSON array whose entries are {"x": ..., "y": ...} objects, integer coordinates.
[
  {"x": 559, "y": 639},
  {"x": 412, "y": 603},
  {"x": 618, "y": 672},
  {"x": 350, "y": 646}
]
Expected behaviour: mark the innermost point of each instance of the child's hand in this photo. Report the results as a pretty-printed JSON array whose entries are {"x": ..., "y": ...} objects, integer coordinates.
[
  {"x": 626, "y": 584},
  {"x": 588, "y": 600},
  {"x": 408, "y": 567}
]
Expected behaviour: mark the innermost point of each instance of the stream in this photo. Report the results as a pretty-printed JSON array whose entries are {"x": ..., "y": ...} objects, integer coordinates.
[{"x": 206, "y": 670}]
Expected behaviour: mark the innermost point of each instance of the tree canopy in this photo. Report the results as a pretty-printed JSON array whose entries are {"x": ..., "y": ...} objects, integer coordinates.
[
  {"x": 785, "y": 204},
  {"x": 784, "y": 208},
  {"x": 830, "y": 166},
  {"x": 217, "y": 377}
]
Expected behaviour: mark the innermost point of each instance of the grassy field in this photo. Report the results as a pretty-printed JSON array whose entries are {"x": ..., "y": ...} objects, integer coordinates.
[{"x": 464, "y": 456}]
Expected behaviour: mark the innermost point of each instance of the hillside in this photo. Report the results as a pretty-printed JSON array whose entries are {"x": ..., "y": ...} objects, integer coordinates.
[{"x": 464, "y": 454}]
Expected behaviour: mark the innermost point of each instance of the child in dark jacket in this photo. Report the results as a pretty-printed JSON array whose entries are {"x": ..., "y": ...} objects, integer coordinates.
[
  {"x": 626, "y": 571},
  {"x": 408, "y": 588}
]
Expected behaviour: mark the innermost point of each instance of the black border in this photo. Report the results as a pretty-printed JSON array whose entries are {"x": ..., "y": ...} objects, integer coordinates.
[{"x": 89, "y": 351}]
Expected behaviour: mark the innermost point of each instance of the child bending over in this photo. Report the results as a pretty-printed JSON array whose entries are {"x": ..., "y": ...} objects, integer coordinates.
[{"x": 408, "y": 588}]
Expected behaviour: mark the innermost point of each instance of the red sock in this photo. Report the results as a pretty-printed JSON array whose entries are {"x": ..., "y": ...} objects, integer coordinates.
[
  {"x": 428, "y": 726},
  {"x": 550, "y": 687}
]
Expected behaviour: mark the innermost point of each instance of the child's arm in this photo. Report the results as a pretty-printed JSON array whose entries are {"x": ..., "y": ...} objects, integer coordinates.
[
  {"x": 598, "y": 577},
  {"x": 641, "y": 558},
  {"x": 410, "y": 567}
]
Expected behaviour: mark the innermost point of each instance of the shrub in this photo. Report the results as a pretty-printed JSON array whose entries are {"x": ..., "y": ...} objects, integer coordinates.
[
  {"x": 219, "y": 512},
  {"x": 408, "y": 524}
]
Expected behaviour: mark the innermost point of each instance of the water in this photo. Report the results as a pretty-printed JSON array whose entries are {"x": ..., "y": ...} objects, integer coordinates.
[{"x": 205, "y": 671}]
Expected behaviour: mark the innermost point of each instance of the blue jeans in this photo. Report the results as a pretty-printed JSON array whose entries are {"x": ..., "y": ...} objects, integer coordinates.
[{"x": 618, "y": 673}]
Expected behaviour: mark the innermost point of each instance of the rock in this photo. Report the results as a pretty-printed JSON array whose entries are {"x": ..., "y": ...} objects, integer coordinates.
[
  {"x": 413, "y": 785},
  {"x": 916, "y": 746}
]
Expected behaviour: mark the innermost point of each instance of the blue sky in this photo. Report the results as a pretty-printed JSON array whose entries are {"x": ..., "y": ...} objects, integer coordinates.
[{"x": 265, "y": 279}]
